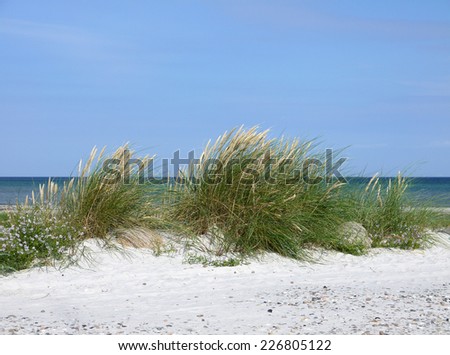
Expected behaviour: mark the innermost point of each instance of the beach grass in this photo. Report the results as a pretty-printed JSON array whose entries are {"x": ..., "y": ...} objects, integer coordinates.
[
  {"x": 36, "y": 235},
  {"x": 3, "y": 218},
  {"x": 99, "y": 204},
  {"x": 440, "y": 220},
  {"x": 391, "y": 218},
  {"x": 249, "y": 193},
  {"x": 100, "y": 201},
  {"x": 216, "y": 262},
  {"x": 249, "y": 205}
]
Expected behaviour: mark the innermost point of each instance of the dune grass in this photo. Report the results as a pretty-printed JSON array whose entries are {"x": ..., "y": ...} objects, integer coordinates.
[
  {"x": 36, "y": 234},
  {"x": 99, "y": 204},
  {"x": 391, "y": 218},
  {"x": 251, "y": 193},
  {"x": 440, "y": 220},
  {"x": 100, "y": 201},
  {"x": 3, "y": 218}
]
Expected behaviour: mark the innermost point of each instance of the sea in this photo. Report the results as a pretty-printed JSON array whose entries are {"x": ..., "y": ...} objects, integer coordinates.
[{"x": 434, "y": 191}]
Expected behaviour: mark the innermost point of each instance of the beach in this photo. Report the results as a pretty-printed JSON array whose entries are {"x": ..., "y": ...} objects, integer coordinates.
[{"x": 383, "y": 292}]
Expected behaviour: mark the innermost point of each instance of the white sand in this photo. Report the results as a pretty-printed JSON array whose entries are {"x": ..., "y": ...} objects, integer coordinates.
[{"x": 387, "y": 292}]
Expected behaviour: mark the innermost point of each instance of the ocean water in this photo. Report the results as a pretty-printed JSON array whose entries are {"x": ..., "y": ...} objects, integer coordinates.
[
  {"x": 15, "y": 189},
  {"x": 434, "y": 190}
]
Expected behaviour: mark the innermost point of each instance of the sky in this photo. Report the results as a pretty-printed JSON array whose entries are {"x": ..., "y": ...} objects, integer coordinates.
[{"x": 372, "y": 78}]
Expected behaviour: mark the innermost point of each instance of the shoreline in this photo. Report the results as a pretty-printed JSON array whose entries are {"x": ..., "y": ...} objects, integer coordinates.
[{"x": 384, "y": 292}]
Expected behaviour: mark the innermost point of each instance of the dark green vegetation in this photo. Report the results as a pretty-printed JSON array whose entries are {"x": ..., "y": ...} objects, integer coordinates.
[
  {"x": 99, "y": 203},
  {"x": 36, "y": 235},
  {"x": 3, "y": 218},
  {"x": 249, "y": 193},
  {"x": 203, "y": 260},
  {"x": 249, "y": 208},
  {"x": 48, "y": 228},
  {"x": 391, "y": 219}
]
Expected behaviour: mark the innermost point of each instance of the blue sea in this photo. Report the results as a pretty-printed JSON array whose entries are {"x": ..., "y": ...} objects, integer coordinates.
[
  {"x": 434, "y": 190},
  {"x": 15, "y": 189}
]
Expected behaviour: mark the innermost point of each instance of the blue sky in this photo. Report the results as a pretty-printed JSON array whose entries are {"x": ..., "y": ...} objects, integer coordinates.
[{"x": 168, "y": 75}]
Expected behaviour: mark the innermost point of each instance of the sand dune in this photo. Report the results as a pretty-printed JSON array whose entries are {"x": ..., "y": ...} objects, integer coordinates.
[{"x": 385, "y": 292}]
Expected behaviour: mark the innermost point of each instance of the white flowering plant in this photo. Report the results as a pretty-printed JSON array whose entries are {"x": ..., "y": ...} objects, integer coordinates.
[{"x": 36, "y": 235}]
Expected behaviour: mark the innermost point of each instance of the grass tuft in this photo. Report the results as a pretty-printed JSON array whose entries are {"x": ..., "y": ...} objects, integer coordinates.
[
  {"x": 391, "y": 218},
  {"x": 252, "y": 194},
  {"x": 100, "y": 201},
  {"x": 36, "y": 235},
  {"x": 3, "y": 218}
]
